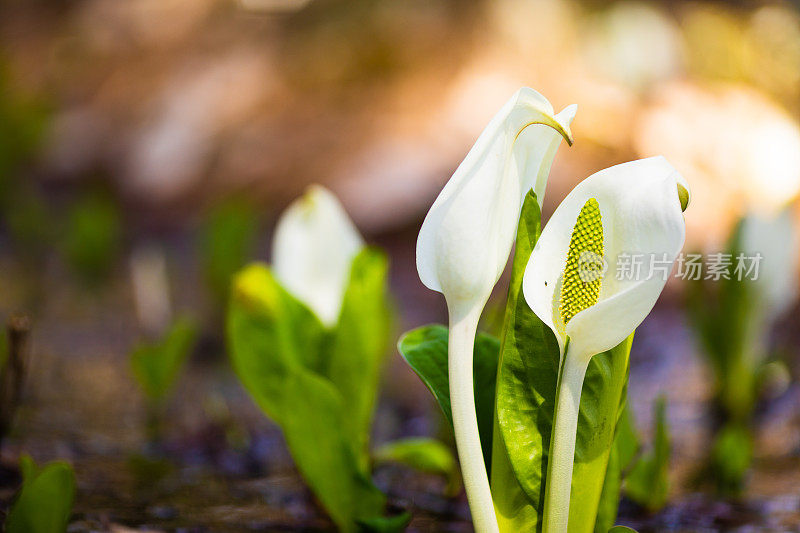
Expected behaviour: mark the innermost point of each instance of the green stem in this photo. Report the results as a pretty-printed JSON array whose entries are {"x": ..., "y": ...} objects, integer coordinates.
[
  {"x": 463, "y": 326},
  {"x": 562, "y": 445}
]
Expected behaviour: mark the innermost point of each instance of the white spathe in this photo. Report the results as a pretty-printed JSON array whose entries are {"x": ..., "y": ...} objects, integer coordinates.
[
  {"x": 775, "y": 237},
  {"x": 466, "y": 238},
  {"x": 313, "y": 250},
  {"x": 642, "y": 217}
]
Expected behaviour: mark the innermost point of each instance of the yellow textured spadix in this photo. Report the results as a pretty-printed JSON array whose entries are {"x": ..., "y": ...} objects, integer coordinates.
[{"x": 583, "y": 272}]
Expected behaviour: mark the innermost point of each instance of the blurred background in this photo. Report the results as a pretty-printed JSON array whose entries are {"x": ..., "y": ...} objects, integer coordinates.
[{"x": 148, "y": 146}]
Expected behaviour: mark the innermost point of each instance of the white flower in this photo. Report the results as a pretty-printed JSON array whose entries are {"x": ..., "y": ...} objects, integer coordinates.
[
  {"x": 464, "y": 244},
  {"x": 640, "y": 216},
  {"x": 633, "y": 210},
  {"x": 467, "y": 235},
  {"x": 312, "y": 252}
]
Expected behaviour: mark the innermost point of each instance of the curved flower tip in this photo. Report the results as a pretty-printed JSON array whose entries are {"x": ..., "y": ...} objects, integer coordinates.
[
  {"x": 312, "y": 252},
  {"x": 466, "y": 237},
  {"x": 606, "y": 253}
]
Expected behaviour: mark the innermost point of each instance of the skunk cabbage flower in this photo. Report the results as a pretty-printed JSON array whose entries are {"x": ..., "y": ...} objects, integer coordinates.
[
  {"x": 464, "y": 244},
  {"x": 466, "y": 237},
  {"x": 582, "y": 280},
  {"x": 314, "y": 246}
]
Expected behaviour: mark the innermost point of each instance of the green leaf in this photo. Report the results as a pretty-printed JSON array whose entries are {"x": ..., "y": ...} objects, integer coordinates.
[
  {"x": 425, "y": 351},
  {"x": 93, "y": 236},
  {"x": 360, "y": 345},
  {"x": 275, "y": 343},
  {"x": 648, "y": 482},
  {"x": 526, "y": 389},
  {"x": 44, "y": 504},
  {"x": 526, "y": 386},
  {"x": 623, "y": 452},
  {"x": 626, "y": 441},
  {"x": 731, "y": 455},
  {"x": 157, "y": 366},
  {"x": 621, "y": 529},
  {"x": 227, "y": 241},
  {"x": 385, "y": 524},
  {"x": 609, "y": 497},
  {"x": 721, "y": 313},
  {"x": 424, "y": 454}
]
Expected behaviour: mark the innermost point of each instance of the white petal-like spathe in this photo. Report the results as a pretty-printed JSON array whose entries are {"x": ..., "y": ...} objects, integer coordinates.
[
  {"x": 642, "y": 218},
  {"x": 312, "y": 252},
  {"x": 775, "y": 238},
  {"x": 467, "y": 235}
]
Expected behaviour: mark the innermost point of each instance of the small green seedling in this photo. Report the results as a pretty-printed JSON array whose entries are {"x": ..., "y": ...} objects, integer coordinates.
[
  {"x": 44, "y": 504},
  {"x": 647, "y": 483},
  {"x": 157, "y": 366},
  {"x": 93, "y": 236},
  {"x": 227, "y": 242}
]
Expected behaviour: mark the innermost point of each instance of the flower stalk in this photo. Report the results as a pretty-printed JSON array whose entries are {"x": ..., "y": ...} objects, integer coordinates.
[
  {"x": 461, "y": 342},
  {"x": 562, "y": 445}
]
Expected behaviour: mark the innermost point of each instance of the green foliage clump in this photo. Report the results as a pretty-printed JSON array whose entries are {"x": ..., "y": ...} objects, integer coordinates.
[
  {"x": 156, "y": 366},
  {"x": 319, "y": 384},
  {"x": 92, "y": 237},
  {"x": 227, "y": 241},
  {"x": 647, "y": 484},
  {"x": 728, "y": 317},
  {"x": 44, "y": 504},
  {"x": 516, "y": 378}
]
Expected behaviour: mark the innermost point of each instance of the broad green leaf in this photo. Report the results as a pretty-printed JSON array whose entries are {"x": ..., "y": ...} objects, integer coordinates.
[
  {"x": 424, "y": 454},
  {"x": 621, "y": 529},
  {"x": 270, "y": 334},
  {"x": 44, "y": 504},
  {"x": 526, "y": 387},
  {"x": 648, "y": 482},
  {"x": 274, "y": 342},
  {"x": 157, "y": 366},
  {"x": 425, "y": 351},
  {"x": 360, "y": 345}
]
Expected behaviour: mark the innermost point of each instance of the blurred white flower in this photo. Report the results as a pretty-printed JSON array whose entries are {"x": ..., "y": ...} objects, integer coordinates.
[
  {"x": 775, "y": 237},
  {"x": 740, "y": 149},
  {"x": 634, "y": 43},
  {"x": 313, "y": 249}
]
